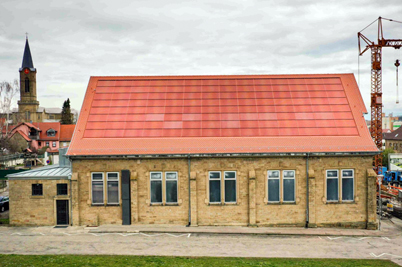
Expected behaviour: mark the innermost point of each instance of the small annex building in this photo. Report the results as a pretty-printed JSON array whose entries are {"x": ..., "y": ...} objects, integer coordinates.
[
  {"x": 247, "y": 150},
  {"x": 41, "y": 196}
]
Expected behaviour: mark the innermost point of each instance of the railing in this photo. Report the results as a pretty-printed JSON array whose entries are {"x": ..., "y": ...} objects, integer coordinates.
[
  {"x": 34, "y": 137},
  {"x": 11, "y": 157}
]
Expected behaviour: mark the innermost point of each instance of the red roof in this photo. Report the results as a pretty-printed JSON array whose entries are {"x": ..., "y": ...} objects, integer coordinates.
[
  {"x": 221, "y": 114},
  {"x": 22, "y": 134},
  {"x": 44, "y": 127},
  {"x": 66, "y": 132}
]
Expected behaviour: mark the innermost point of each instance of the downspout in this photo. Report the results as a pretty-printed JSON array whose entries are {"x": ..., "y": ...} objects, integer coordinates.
[
  {"x": 307, "y": 192},
  {"x": 71, "y": 203},
  {"x": 189, "y": 190},
  {"x": 71, "y": 192}
]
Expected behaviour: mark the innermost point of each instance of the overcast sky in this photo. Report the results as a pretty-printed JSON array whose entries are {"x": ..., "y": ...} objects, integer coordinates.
[{"x": 73, "y": 40}]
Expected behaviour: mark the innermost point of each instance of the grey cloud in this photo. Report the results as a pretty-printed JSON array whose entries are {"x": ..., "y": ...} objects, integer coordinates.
[{"x": 71, "y": 40}]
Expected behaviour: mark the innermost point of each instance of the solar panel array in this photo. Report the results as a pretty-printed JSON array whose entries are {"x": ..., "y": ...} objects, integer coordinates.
[{"x": 219, "y": 108}]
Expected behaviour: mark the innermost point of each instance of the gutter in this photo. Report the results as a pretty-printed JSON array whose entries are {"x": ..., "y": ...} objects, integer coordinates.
[
  {"x": 207, "y": 155},
  {"x": 307, "y": 193},
  {"x": 189, "y": 190}
]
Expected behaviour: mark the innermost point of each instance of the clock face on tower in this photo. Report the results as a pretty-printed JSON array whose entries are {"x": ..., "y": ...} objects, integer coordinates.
[{"x": 26, "y": 71}]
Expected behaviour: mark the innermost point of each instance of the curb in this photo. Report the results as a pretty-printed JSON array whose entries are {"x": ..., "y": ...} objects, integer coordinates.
[{"x": 235, "y": 233}]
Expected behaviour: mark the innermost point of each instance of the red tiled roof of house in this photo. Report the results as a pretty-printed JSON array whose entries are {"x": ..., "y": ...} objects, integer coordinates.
[
  {"x": 22, "y": 134},
  {"x": 30, "y": 125},
  {"x": 66, "y": 132},
  {"x": 222, "y": 114},
  {"x": 44, "y": 127}
]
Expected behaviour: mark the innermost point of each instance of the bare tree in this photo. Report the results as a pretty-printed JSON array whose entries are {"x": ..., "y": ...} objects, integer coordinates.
[{"x": 8, "y": 92}]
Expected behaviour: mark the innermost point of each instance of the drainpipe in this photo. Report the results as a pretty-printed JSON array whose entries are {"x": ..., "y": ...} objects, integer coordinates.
[
  {"x": 71, "y": 191},
  {"x": 71, "y": 204},
  {"x": 189, "y": 190},
  {"x": 307, "y": 192}
]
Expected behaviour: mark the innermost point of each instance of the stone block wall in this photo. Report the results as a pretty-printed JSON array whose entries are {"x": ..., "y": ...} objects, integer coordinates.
[{"x": 251, "y": 207}]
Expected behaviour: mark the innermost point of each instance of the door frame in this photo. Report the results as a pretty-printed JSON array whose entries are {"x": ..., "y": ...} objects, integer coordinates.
[{"x": 68, "y": 209}]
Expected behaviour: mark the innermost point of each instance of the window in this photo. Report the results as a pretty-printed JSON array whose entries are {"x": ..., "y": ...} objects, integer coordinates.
[
  {"x": 229, "y": 193},
  {"x": 54, "y": 144},
  {"x": 167, "y": 184},
  {"x": 62, "y": 189},
  {"x": 156, "y": 187},
  {"x": 39, "y": 143},
  {"x": 26, "y": 85},
  {"x": 347, "y": 185},
  {"x": 37, "y": 190},
  {"x": 47, "y": 143},
  {"x": 97, "y": 188},
  {"x": 171, "y": 187},
  {"x": 51, "y": 132},
  {"x": 288, "y": 186},
  {"x": 113, "y": 188},
  {"x": 215, "y": 187},
  {"x": 273, "y": 186},
  {"x": 230, "y": 186},
  {"x": 332, "y": 185}
]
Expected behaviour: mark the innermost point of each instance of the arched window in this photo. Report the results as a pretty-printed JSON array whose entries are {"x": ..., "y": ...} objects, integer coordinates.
[{"x": 26, "y": 85}]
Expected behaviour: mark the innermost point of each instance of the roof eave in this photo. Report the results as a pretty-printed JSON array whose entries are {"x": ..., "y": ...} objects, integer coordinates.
[{"x": 209, "y": 155}]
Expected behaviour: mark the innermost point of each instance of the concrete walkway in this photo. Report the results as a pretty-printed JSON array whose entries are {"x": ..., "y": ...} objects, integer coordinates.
[{"x": 388, "y": 228}]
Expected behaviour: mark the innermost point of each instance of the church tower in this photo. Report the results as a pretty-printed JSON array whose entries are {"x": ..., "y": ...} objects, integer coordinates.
[{"x": 28, "y": 103}]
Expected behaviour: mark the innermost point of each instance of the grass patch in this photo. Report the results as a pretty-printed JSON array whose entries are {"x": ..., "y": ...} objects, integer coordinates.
[
  {"x": 116, "y": 261},
  {"x": 5, "y": 221}
]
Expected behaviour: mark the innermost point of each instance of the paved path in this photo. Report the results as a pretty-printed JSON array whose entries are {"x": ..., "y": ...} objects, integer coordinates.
[{"x": 80, "y": 240}]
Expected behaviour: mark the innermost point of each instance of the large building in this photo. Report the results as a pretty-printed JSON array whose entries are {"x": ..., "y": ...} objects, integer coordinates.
[
  {"x": 393, "y": 140},
  {"x": 253, "y": 150},
  {"x": 28, "y": 105}
]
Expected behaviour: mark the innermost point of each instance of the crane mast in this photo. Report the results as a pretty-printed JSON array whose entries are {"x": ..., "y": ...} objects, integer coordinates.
[{"x": 376, "y": 83}]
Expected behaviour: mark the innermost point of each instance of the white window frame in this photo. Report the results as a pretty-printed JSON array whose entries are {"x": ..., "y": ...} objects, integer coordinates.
[
  {"x": 353, "y": 183},
  {"x": 283, "y": 185},
  {"x": 267, "y": 189},
  {"x": 54, "y": 144},
  {"x": 214, "y": 179},
  {"x": 118, "y": 188},
  {"x": 229, "y": 179},
  {"x": 103, "y": 188},
  {"x": 326, "y": 184},
  {"x": 177, "y": 187},
  {"x": 150, "y": 187}
]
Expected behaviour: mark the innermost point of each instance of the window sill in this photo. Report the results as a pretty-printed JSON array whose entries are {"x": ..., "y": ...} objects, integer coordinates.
[
  {"x": 105, "y": 205},
  {"x": 37, "y": 197},
  {"x": 281, "y": 203},
  {"x": 341, "y": 202},
  {"x": 223, "y": 204},
  {"x": 163, "y": 204},
  {"x": 171, "y": 204}
]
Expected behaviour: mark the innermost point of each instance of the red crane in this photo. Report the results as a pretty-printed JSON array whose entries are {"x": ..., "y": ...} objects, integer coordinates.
[{"x": 376, "y": 82}]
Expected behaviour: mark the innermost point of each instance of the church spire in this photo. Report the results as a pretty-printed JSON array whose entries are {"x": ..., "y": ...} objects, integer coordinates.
[{"x": 27, "y": 59}]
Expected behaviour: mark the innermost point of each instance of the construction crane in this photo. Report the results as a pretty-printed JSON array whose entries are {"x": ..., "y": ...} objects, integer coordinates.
[{"x": 376, "y": 82}]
